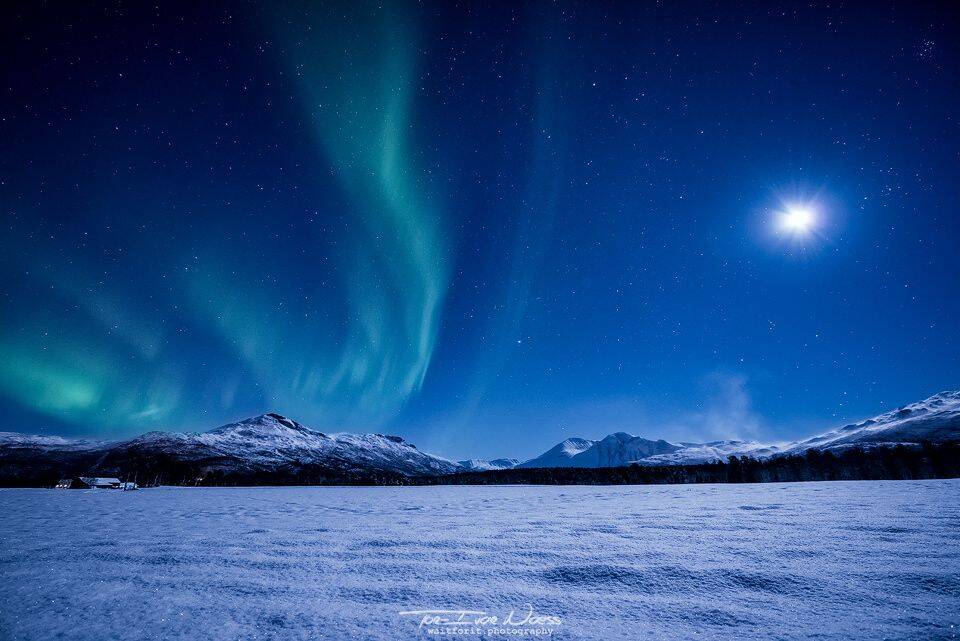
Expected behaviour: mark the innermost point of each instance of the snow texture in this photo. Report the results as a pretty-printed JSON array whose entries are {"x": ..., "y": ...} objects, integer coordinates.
[{"x": 864, "y": 560}]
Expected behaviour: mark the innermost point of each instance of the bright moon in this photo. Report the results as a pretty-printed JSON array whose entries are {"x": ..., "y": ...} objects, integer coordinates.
[{"x": 798, "y": 219}]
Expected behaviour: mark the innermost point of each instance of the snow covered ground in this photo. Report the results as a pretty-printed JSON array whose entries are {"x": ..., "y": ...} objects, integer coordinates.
[{"x": 867, "y": 560}]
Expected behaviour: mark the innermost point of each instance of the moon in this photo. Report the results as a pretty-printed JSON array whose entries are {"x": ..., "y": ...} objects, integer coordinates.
[{"x": 798, "y": 220}]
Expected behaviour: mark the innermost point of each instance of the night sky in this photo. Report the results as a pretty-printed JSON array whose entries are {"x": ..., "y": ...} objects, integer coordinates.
[{"x": 483, "y": 227}]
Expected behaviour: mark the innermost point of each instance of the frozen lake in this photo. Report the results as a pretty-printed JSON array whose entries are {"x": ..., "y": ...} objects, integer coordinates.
[{"x": 869, "y": 560}]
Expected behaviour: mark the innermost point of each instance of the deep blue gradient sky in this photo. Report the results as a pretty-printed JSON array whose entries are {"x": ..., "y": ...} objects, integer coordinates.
[{"x": 483, "y": 227}]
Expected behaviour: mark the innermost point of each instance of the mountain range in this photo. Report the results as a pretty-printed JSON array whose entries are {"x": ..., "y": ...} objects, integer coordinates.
[
  {"x": 273, "y": 448},
  {"x": 935, "y": 419}
]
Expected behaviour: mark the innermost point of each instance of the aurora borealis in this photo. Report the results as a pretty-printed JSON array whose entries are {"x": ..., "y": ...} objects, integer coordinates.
[{"x": 482, "y": 226}]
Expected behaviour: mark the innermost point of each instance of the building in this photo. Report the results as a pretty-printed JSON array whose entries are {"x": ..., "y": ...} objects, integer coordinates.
[{"x": 101, "y": 482}]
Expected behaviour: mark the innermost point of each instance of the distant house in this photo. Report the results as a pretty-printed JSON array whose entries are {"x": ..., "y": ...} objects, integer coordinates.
[
  {"x": 102, "y": 482},
  {"x": 87, "y": 482}
]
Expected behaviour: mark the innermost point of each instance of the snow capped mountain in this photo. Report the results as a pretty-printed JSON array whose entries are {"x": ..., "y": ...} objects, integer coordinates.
[
  {"x": 934, "y": 419},
  {"x": 272, "y": 448},
  {"x": 482, "y": 465},
  {"x": 255, "y": 448},
  {"x": 693, "y": 453},
  {"x": 270, "y": 440},
  {"x": 613, "y": 450},
  {"x": 36, "y": 441},
  {"x": 560, "y": 454}
]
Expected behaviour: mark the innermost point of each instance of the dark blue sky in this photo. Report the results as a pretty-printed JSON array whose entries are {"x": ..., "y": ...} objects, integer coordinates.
[{"x": 485, "y": 228}]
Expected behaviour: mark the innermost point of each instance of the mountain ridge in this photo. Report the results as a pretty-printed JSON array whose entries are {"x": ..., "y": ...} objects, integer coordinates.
[
  {"x": 936, "y": 418},
  {"x": 264, "y": 444},
  {"x": 271, "y": 443}
]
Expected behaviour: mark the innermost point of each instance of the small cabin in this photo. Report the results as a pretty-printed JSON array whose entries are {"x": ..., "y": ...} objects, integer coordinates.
[{"x": 101, "y": 482}]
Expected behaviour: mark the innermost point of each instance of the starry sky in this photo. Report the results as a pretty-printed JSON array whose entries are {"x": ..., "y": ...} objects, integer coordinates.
[{"x": 485, "y": 227}]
